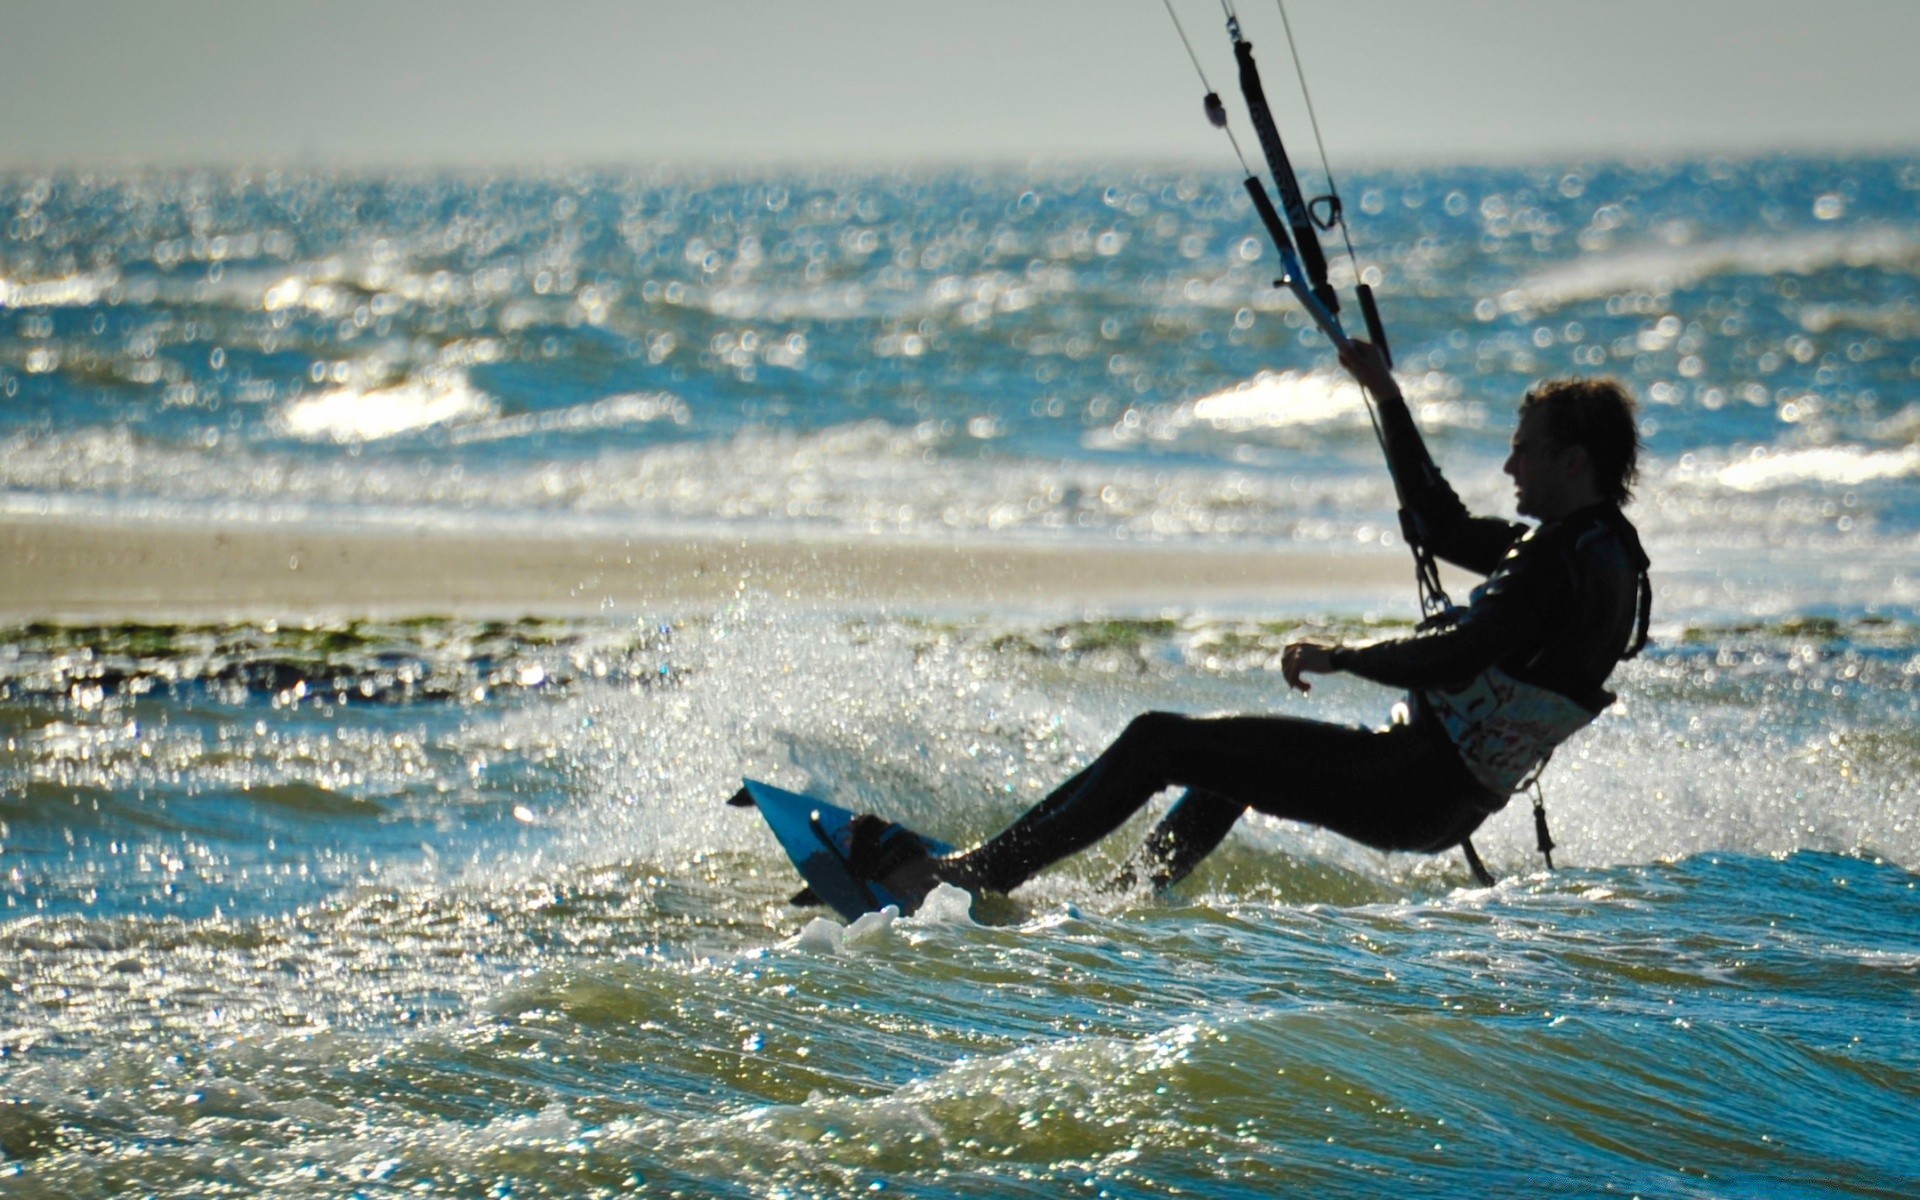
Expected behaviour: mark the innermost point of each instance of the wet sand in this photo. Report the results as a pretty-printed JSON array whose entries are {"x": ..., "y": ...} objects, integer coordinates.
[{"x": 68, "y": 569}]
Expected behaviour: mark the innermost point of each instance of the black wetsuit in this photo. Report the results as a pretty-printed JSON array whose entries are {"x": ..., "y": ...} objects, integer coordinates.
[{"x": 1559, "y": 609}]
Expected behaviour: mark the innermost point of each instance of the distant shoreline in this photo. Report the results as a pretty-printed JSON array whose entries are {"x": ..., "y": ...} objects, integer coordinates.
[{"x": 66, "y": 569}]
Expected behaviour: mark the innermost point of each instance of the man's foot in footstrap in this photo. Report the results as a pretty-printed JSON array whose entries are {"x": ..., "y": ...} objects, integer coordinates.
[{"x": 899, "y": 860}]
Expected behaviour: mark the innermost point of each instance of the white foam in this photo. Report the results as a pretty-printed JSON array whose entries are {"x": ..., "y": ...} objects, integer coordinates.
[
  {"x": 316, "y": 296},
  {"x": 821, "y": 936},
  {"x": 550, "y": 1125},
  {"x": 1897, "y": 320},
  {"x": 1273, "y": 399},
  {"x": 67, "y": 291},
  {"x": 945, "y": 905},
  {"x": 1285, "y": 401},
  {"x": 869, "y": 926},
  {"x": 1767, "y": 469},
  {"x": 363, "y": 415},
  {"x": 611, "y": 412}
]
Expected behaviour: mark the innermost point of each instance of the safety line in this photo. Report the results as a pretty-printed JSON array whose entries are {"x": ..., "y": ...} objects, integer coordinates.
[
  {"x": 1213, "y": 96},
  {"x": 1313, "y": 119}
]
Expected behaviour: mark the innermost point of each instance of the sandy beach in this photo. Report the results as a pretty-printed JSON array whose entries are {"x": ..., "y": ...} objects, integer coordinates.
[{"x": 69, "y": 569}]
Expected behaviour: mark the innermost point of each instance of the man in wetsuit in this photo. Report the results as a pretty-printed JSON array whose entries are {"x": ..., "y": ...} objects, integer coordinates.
[{"x": 1493, "y": 687}]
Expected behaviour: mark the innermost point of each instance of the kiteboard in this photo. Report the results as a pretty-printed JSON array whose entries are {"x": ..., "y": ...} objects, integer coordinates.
[{"x": 818, "y": 837}]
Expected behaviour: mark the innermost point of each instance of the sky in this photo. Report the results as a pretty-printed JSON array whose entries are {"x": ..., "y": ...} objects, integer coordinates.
[{"x": 819, "y": 82}]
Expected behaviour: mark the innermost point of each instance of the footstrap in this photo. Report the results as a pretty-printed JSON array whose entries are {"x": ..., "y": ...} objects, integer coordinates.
[
  {"x": 833, "y": 848},
  {"x": 880, "y": 847}
]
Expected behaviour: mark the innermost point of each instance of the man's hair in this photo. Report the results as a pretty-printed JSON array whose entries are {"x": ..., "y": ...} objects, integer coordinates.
[{"x": 1596, "y": 415}]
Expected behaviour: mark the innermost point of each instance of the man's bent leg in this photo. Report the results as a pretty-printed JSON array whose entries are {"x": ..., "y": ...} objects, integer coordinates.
[
  {"x": 1076, "y": 814},
  {"x": 1197, "y": 822},
  {"x": 1402, "y": 788},
  {"x": 1398, "y": 789}
]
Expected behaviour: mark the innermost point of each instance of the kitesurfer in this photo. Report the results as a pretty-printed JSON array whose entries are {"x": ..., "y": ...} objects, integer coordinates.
[{"x": 1493, "y": 687}]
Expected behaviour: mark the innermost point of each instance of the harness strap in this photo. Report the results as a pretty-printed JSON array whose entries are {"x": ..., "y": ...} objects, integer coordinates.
[
  {"x": 1542, "y": 840},
  {"x": 1643, "y": 616},
  {"x": 1479, "y": 869}
]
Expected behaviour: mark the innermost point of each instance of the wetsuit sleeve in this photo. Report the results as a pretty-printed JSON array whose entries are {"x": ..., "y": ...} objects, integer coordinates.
[
  {"x": 1506, "y": 615},
  {"x": 1443, "y": 522}
]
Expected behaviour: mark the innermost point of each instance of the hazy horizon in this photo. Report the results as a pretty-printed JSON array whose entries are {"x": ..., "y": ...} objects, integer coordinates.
[{"x": 862, "y": 83}]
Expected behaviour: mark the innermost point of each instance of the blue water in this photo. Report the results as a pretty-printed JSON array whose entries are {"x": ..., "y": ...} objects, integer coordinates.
[
  {"x": 452, "y": 907},
  {"x": 948, "y": 354}
]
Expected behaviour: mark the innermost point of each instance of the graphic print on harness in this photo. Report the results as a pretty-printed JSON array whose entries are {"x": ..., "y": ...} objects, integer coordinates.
[{"x": 1504, "y": 729}]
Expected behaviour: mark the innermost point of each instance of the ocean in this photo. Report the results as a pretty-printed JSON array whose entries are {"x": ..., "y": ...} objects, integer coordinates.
[{"x": 436, "y": 904}]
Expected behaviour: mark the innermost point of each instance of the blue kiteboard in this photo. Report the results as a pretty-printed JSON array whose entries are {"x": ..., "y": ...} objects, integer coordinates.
[{"x": 818, "y": 837}]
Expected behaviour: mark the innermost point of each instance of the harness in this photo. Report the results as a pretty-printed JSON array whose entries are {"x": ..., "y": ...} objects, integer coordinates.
[{"x": 1506, "y": 729}]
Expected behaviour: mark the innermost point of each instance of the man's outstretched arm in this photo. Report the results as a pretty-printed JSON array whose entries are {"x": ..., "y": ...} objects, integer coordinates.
[{"x": 1449, "y": 530}]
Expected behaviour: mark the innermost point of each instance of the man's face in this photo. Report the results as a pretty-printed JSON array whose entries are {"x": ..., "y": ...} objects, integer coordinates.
[{"x": 1542, "y": 473}]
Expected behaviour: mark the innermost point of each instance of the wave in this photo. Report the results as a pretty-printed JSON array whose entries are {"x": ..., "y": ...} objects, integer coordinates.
[
  {"x": 1896, "y": 320},
  {"x": 866, "y": 477},
  {"x": 930, "y": 480},
  {"x": 1664, "y": 268},
  {"x": 328, "y": 288}
]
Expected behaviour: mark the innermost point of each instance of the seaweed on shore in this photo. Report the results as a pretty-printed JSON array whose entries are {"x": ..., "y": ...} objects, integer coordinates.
[
  {"x": 1137, "y": 643},
  {"x": 345, "y": 662}
]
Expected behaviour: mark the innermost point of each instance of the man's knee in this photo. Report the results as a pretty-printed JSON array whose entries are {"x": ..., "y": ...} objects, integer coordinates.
[{"x": 1153, "y": 727}]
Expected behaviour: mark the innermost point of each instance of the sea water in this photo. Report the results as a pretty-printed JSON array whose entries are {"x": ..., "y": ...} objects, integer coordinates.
[{"x": 452, "y": 907}]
